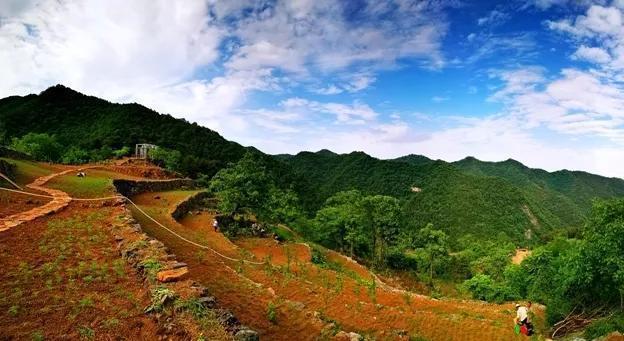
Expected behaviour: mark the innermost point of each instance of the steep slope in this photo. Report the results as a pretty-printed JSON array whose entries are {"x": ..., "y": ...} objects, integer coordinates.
[
  {"x": 454, "y": 201},
  {"x": 566, "y": 193},
  {"x": 92, "y": 123}
]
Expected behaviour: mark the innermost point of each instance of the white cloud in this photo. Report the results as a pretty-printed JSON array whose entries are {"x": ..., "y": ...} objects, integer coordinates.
[
  {"x": 355, "y": 113},
  {"x": 602, "y": 27},
  {"x": 592, "y": 54},
  {"x": 111, "y": 48},
  {"x": 439, "y": 99},
  {"x": 494, "y": 18}
]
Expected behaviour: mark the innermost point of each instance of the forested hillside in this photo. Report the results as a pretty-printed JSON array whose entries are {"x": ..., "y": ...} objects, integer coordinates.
[
  {"x": 484, "y": 199},
  {"x": 93, "y": 124},
  {"x": 574, "y": 187}
]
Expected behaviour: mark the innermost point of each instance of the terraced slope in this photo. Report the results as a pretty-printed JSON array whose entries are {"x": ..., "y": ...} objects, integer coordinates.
[{"x": 292, "y": 298}]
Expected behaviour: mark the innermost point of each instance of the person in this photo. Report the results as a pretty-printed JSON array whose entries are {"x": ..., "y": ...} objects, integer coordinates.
[
  {"x": 522, "y": 319},
  {"x": 215, "y": 224}
]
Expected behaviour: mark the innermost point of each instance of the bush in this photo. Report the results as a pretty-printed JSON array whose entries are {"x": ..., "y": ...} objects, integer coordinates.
[
  {"x": 42, "y": 147},
  {"x": 483, "y": 287},
  {"x": 604, "y": 326},
  {"x": 75, "y": 156},
  {"x": 399, "y": 260},
  {"x": 119, "y": 153}
]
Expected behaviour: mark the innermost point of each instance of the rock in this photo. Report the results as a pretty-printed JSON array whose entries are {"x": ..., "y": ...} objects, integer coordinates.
[
  {"x": 341, "y": 335},
  {"x": 136, "y": 227},
  {"x": 157, "y": 197},
  {"x": 156, "y": 243},
  {"x": 296, "y": 305},
  {"x": 171, "y": 257},
  {"x": 118, "y": 238},
  {"x": 208, "y": 302},
  {"x": 226, "y": 318},
  {"x": 355, "y": 336},
  {"x": 271, "y": 291},
  {"x": 246, "y": 335},
  {"x": 178, "y": 265},
  {"x": 171, "y": 275}
]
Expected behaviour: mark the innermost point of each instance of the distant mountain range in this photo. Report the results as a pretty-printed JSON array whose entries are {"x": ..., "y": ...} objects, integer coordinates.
[{"x": 484, "y": 199}]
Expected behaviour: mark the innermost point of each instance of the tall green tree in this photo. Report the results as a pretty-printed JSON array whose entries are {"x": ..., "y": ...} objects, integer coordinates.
[
  {"x": 382, "y": 214},
  {"x": 340, "y": 223},
  {"x": 42, "y": 147},
  {"x": 433, "y": 244},
  {"x": 242, "y": 187}
]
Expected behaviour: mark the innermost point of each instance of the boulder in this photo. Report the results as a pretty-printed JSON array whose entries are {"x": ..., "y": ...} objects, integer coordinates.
[
  {"x": 171, "y": 275},
  {"x": 246, "y": 335},
  {"x": 178, "y": 265},
  {"x": 208, "y": 301}
]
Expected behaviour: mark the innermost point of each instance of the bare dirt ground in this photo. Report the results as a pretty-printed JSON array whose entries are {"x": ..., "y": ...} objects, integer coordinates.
[
  {"x": 62, "y": 275},
  {"x": 309, "y": 301},
  {"x": 520, "y": 255},
  {"x": 62, "y": 278}
]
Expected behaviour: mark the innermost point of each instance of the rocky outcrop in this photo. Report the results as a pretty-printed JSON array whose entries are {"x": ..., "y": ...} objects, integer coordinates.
[{"x": 130, "y": 188}]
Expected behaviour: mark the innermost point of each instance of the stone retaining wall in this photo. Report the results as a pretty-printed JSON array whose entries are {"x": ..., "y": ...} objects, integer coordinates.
[
  {"x": 7, "y": 169},
  {"x": 133, "y": 187},
  {"x": 200, "y": 199}
]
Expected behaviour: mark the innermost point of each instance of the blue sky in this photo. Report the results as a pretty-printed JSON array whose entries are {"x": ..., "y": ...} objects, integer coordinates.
[{"x": 540, "y": 81}]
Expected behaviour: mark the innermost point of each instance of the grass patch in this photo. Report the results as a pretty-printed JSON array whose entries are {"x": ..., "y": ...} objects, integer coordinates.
[
  {"x": 151, "y": 267},
  {"x": 86, "y": 333},
  {"x": 271, "y": 313},
  {"x": 90, "y": 186},
  {"x": 13, "y": 311}
]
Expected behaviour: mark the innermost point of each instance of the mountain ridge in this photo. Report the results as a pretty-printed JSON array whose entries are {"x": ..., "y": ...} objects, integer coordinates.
[{"x": 468, "y": 196}]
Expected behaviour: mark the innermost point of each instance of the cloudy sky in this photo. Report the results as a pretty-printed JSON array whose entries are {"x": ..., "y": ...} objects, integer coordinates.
[{"x": 540, "y": 81}]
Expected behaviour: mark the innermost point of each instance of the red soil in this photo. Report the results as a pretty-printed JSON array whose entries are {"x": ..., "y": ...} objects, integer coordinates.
[
  {"x": 42, "y": 291},
  {"x": 301, "y": 291}
]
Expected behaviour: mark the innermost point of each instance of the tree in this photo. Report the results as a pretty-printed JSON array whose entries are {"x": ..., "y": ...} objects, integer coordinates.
[
  {"x": 434, "y": 245},
  {"x": 75, "y": 155},
  {"x": 340, "y": 222},
  {"x": 124, "y": 151},
  {"x": 603, "y": 250},
  {"x": 383, "y": 215},
  {"x": 242, "y": 187},
  {"x": 168, "y": 158},
  {"x": 42, "y": 147}
]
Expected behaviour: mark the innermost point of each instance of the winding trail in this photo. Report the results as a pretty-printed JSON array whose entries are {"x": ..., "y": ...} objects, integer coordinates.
[{"x": 59, "y": 201}]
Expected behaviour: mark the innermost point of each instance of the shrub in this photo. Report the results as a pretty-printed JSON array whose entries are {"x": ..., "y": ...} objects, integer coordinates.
[
  {"x": 271, "y": 313},
  {"x": 605, "y": 326},
  {"x": 483, "y": 287},
  {"x": 42, "y": 147},
  {"x": 75, "y": 155}
]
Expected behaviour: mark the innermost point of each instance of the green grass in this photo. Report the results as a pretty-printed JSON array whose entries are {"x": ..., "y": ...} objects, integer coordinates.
[
  {"x": 27, "y": 171},
  {"x": 91, "y": 186}
]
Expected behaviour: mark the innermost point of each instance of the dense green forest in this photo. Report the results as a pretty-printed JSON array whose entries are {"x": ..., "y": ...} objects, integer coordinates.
[
  {"x": 452, "y": 222},
  {"x": 94, "y": 128}
]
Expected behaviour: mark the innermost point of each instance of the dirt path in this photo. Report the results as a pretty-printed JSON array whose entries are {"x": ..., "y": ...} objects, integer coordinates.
[
  {"x": 59, "y": 201},
  {"x": 520, "y": 255}
]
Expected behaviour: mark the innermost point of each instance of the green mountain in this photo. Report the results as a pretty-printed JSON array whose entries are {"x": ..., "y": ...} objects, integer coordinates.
[
  {"x": 92, "y": 123},
  {"x": 467, "y": 197},
  {"x": 433, "y": 192},
  {"x": 485, "y": 199},
  {"x": 574, "y": 190}
]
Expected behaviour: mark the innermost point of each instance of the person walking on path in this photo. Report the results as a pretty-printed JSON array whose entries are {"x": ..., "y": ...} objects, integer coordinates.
[{"x": 215, "y": 225}]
